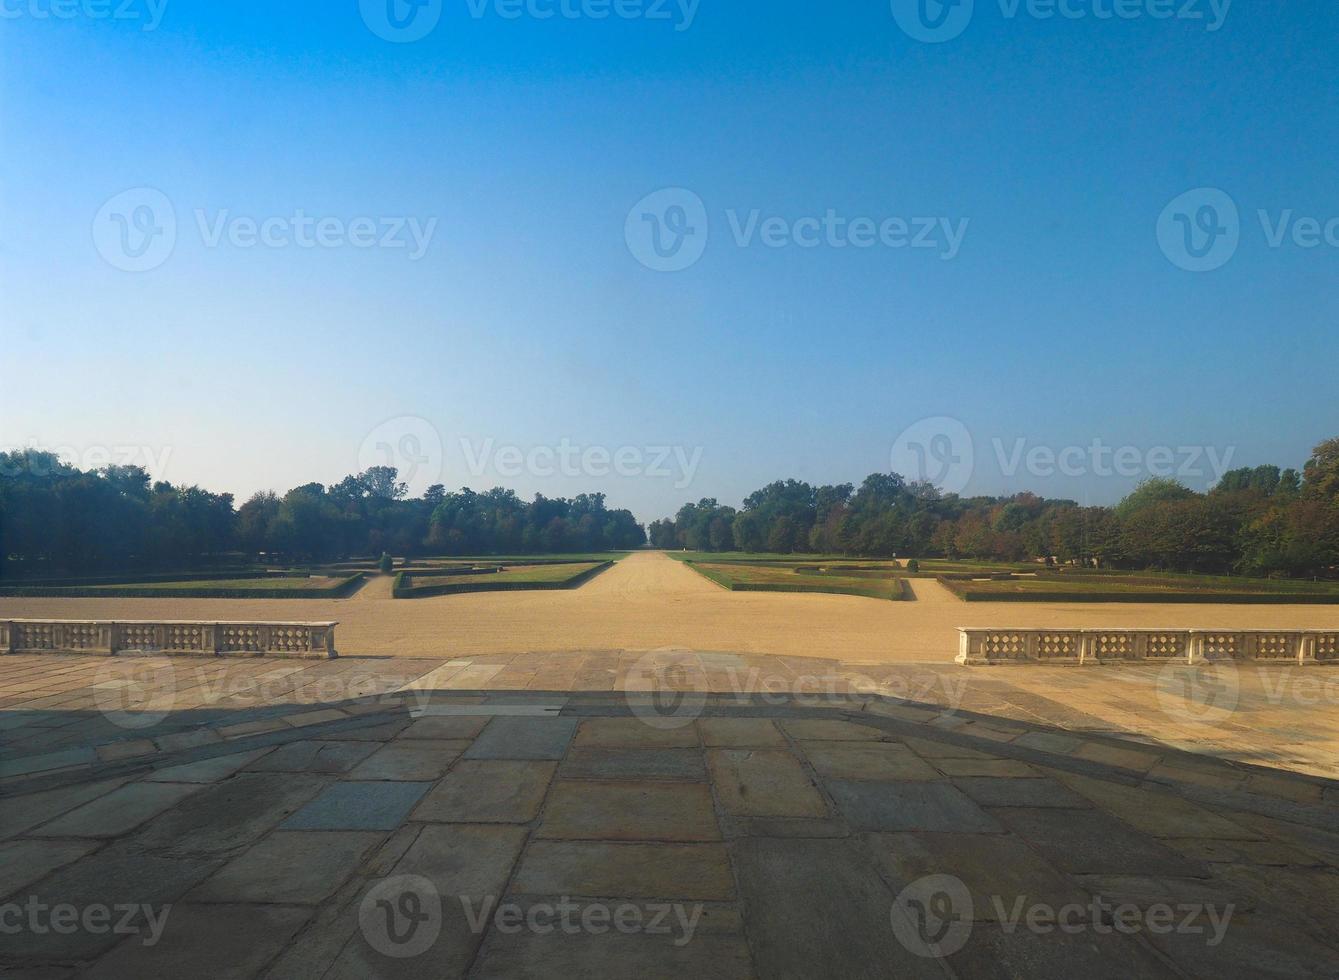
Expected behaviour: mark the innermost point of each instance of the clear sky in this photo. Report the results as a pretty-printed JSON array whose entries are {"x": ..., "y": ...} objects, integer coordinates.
[{"x": 1051, "y": 306}]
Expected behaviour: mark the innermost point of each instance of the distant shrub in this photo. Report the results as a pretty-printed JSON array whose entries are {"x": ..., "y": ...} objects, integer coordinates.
[
  {"x": 914, "y": 565},
  {"x": 386, "y": 564}
]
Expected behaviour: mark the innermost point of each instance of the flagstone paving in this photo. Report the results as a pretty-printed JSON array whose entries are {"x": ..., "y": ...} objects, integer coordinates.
[{"x": 417, "y": 831}]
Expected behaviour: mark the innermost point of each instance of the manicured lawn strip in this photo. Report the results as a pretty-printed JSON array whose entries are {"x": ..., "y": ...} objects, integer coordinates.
[
  {"x": 1053, "y": 588},
  {"x": 751, "y": 558},
  {"x": 448, "y": 561},
  {"x": 520, "y": 579},
  {"x": 764, "y": 578},
  {"x": 249, "y": 587}
]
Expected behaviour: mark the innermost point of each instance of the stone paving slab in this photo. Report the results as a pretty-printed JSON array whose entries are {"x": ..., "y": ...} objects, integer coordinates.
[
  {"x": 763, "y": 783},
  {"x": 866, "y": 760},
  {"x": 523, "y": 738},
  {"x": 359, "y": 806},
  {"x": 23, "y": 862},
  {"x": 419, "y": 759},
  {"x": 789, "y": 835},
  {"x": 231, "y": 814},
  {"x": 994, "y": 870},
  {"x": 639, "y": 763},
  {"x": 223, "y": 942},
  {"x": 207, "y": 770},
  {"x": 496, "y": 791},
  {"x": 629, "y": 810},
  {"x": 1091, "y": 842},
  {"x": 119, "y": 812},
  {"x": 740, "y": 733},
  {"x": 814, "y": 910},
  {"x": 290, "y": 868},
  {"x": 933, "y": 807},
  {"x": 670, "y": 871}
]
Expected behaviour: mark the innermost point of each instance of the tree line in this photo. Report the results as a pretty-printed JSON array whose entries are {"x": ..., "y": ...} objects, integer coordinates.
[
  {"x": 1255, "y": 521},
  {"x": 57, "y": 519}
]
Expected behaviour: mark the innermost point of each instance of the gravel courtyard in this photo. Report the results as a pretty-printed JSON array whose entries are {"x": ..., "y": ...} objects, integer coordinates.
[{"x": 649, "y": 601}]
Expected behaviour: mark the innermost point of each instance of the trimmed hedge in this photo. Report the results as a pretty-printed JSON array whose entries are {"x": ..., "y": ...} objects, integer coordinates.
[
  {"x": 149, "y": 592},
  {"x": 1246, "y": 598},
  {"x": 400, "y": 590},
  {"x": 904, "y": 592},
  {"x": 1219, "y": 598}
]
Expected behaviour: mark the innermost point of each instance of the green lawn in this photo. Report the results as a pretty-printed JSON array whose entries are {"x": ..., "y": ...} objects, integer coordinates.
[
  {"x": 276, "y": 584},
  {"x": 748, "y": 556},
  {"x": 254, "y": 587},
  {"x": 1106, "y": 586},
  {"x": 512, "y": 578},
  {"x": 741, "y": 577},
  {"x": 447, "y": 561}
]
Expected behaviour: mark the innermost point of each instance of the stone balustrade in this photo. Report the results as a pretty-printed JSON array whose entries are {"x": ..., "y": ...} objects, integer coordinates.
[
  {"x": 189, "y": 639},
  {"x": 981, "y": 645}
]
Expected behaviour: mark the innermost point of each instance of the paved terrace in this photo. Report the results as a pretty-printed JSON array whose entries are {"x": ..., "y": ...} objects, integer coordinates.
[{"x": 476, "y": 817}]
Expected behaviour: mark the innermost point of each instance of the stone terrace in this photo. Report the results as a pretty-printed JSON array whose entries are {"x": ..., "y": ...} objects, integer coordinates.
[{"x": 377, "y": 818}]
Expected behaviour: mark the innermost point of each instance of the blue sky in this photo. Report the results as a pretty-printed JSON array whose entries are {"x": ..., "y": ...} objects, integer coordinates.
[{"x": 1053, "y": 145}]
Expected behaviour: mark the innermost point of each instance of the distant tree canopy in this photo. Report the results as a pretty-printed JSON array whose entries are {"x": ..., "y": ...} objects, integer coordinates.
[
  {"x": 1260, "y": 521},
  {"x": 56, "y": 518}
]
